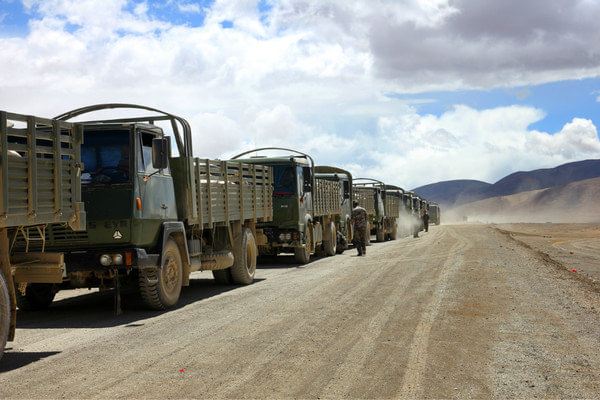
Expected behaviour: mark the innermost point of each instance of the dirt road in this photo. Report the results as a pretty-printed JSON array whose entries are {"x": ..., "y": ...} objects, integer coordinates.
[{"x": 463, "y": 311}]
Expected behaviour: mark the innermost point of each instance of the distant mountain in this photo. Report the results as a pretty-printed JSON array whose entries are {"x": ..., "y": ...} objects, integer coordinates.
[
  {"x": 448, "y": 193},
  {"x": 455, "y": 193},
  {"x": 574, "y": 202},
  {"x": 544, "y": 178}
]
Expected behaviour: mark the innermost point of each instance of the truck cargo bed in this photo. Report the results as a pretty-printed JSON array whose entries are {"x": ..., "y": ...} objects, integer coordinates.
[
  {"x": 326, "y": 198},
  {"x": 40, "y": 169},
  {"x": 214, "y": 192}
]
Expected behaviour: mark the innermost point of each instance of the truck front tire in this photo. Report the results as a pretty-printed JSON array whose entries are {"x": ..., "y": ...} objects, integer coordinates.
[
  {"x": 380, "y": 233},
  {"x": 245, "y": 253},
  {"x": 330, "y": 246},
  {"x": 160, "y": 289},
  {"x": 4, "y": 313},
  {"x": 38, "y": 296},
  {"x": 394, "y": 233},
  {"x": 302, "y": 254}
]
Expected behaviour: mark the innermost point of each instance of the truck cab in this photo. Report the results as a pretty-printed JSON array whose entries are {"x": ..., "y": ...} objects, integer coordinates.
[
  {"x": 343, "y": 221},
  {"x": 370, "y": 194},
  {"x": 305, "y": 206}
]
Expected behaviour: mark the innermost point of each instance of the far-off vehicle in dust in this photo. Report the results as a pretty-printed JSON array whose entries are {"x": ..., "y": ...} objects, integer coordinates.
[
  {"x": 434, "y": 214},
  {"x": 382, "y": 211},
  {"x": 40, "y": 170},
  {"x": 305, "y": 207}
]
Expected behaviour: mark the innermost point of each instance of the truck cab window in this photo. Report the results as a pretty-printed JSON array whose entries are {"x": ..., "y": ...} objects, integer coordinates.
[
  {"x": 145, "y": 164},
  {"x": 105, "y": 157},
  {"x": 284, "y": 179}
]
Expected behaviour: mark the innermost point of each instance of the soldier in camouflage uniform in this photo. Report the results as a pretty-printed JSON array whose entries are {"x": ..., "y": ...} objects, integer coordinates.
[{"x": 359, "y": 221}]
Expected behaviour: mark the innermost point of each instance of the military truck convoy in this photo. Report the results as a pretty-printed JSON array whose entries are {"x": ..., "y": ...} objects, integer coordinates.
[{"x": 113, "y": 204}]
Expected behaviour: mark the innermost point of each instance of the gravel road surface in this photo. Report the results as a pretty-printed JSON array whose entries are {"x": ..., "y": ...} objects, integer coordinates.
[{"x": 462, "y": 311}]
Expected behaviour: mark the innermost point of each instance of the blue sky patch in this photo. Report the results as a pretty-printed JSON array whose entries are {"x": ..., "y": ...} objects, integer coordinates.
[
  {"x": 13, "y": 18},
  {"x": 562, "y": 101},
  {"x": 226, "y": 24}
]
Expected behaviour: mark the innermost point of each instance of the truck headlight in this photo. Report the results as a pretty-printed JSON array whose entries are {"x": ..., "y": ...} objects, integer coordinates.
[
  {"x": 106, "y": 260},
  {"x": 117, "y": 259}
]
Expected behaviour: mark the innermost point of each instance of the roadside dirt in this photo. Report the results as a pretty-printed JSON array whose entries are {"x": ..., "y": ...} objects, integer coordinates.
[
  {"x": 573, "y": 246},
  {"x": 463, "y": 311}
]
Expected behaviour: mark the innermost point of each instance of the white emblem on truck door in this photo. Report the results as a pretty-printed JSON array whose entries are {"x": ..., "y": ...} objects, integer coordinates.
[{"x": 117, "y": 235}]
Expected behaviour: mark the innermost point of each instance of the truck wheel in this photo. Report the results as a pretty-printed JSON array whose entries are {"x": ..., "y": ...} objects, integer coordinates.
[
  {"x": 342, "y": 243},
  {"x": 222, "y": 276},
  {"x": 330, "y": 246},
  {"x": 161, "y": 289},
  {"x": 380, "y": 234},
  {"x": 244, "y": 266},
  {"x": 394, "y": 234},
  {"x": 38, "y": 296},
  {"x": 4, "y": 313},
  {"x": 302, "y": 254}
]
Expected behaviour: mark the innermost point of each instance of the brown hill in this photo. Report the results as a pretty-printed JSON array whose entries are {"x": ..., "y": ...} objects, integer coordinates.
[
  {"x": 455, "y": 193},
  {"x": 574, "y": 202}
]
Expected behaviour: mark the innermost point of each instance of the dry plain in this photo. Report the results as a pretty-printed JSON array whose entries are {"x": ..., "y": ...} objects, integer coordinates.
[{"x": 462, "y": 311}]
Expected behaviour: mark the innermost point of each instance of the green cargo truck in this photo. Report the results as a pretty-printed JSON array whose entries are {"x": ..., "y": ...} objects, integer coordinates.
[
  {"x": 343, "y": 221},
  {"x": 382, "y": 211},
  {"x": 406, "y": 218},
  {"x": 413, "y": 206},
  {"x": 305, "y": 207},
  {"x": 40, "y": 170},
  {"x": 392, "y": 204},
  {"x": 153, "y": 218}
]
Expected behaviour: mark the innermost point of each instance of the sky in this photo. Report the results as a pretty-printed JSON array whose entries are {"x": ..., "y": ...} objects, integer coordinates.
[{"x": 407, "y": 91}]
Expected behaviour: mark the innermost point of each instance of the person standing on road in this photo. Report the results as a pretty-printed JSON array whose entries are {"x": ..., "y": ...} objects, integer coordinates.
[
  {"x": 426, "y": 221},
  {"x": 359, "y": 222}
]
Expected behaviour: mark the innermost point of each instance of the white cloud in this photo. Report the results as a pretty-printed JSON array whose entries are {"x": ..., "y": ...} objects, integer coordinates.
[
  {"x": 192, "y": 8},
  {"x": 413, "y": 150},
  {"x": 312, "y": 77}
]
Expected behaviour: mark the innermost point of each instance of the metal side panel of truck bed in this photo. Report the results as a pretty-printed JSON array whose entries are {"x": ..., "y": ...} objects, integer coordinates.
[
  {"x": 366, "y": 198},
  {"x": 326, "y": 199},
  {"x": 40, "y": 172},
  {"x": 215, "y": 192}
]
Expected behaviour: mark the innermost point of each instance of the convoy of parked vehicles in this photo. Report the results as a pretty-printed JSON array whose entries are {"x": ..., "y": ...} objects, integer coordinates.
[{"x": 105, "y": 204}]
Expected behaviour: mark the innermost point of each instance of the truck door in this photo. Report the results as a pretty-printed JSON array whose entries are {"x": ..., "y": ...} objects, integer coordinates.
[
  {"x": 155, "y": 200},
  {"x": 305, "y": 188}
]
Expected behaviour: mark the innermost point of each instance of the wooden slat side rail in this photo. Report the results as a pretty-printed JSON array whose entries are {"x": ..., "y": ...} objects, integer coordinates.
[{"x": 3, "y": 165}]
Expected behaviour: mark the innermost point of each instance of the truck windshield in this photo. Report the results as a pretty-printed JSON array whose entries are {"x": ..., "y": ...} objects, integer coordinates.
[
  {"x": 105, "y": 156},
  {"x": 284, "y": 180}
]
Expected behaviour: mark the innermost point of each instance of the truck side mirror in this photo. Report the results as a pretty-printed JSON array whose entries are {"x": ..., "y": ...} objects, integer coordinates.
[
  {"x": 307, "y": 179},
  {"x": 346, "y": 189},
  {"x": 161, "y": 151}
]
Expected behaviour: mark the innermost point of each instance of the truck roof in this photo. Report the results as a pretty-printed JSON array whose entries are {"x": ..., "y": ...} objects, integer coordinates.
[{"x": 274, "y": 160}]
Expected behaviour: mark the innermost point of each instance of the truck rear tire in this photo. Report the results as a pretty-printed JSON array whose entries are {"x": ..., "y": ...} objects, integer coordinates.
[
  {"x": 4, "y": 313},
  {"x": 161, "y": 289},
  {"x": 380, "y": 234},
  {"x": 223, "y": 276},
  {"x": 38, "y": 296},
  {"x": 302, "y": 254},
  {"x": 244, "y": 265},
  {"x": 330, "y": 246},
  {"x": 394, "y": 233}
]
